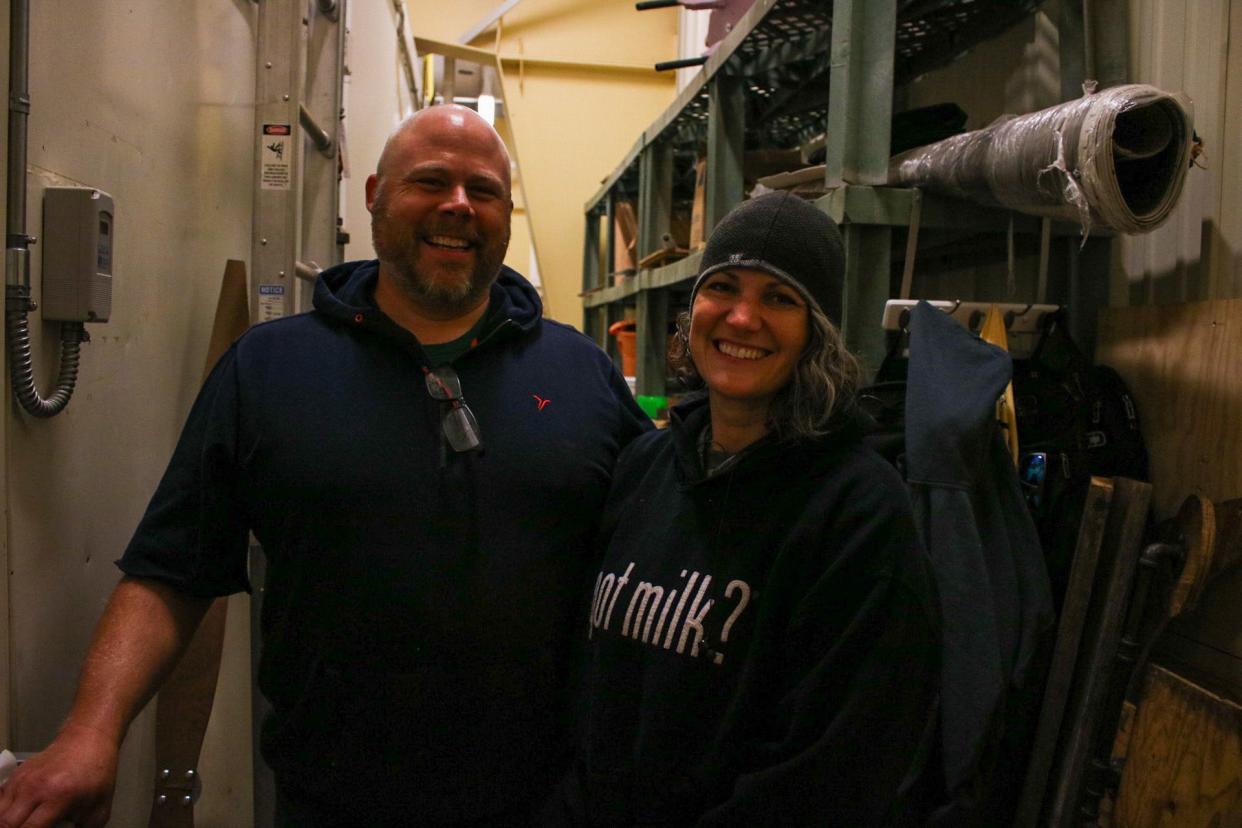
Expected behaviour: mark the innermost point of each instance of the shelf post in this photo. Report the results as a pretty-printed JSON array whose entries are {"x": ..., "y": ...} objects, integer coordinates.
[
  {"x": 860, "y": 113},
  {"x": 726, "y": 129},
  {"x": 868, "y": 263},
  {"x": 591, "y": 275},
  {"x": 651, "y": 314},
  {"x": 860, "y": 106},
  {"x": 590, "y": 252},
  {"x": 610, "y": 234},
  {"x": 655, "y": 196}
]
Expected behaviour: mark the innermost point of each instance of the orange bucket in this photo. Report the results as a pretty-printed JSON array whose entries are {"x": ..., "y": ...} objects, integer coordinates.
[{"x": 626, "y": 333}]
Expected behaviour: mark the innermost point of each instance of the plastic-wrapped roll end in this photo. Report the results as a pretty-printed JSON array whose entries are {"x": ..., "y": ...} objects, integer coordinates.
[
  {"x": 1139, "y": 174},
  {"x": 1116, "y": 158}
]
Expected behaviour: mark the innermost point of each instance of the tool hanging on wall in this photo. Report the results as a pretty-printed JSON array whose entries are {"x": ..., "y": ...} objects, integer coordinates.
[{"x": 725, "y": 15}]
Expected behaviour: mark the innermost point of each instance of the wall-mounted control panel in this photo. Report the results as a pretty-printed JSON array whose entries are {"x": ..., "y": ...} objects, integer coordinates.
[{"x": 77, "y": 244}]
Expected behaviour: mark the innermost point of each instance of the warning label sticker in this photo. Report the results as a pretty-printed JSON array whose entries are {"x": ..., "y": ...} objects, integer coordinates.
[
  {"x": 271, "y": 302},
  {"x": 276, "y": 154}
]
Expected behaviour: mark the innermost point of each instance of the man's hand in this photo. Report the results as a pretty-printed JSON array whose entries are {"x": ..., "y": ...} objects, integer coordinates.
[
  {"x": 144, "y": 629},
  {"x": 72, "y": 780}
]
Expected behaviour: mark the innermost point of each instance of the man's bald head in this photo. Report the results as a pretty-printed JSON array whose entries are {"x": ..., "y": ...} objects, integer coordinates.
[
  {"x": 441, "y": 204},
  {"x": 451, "y": 119}
]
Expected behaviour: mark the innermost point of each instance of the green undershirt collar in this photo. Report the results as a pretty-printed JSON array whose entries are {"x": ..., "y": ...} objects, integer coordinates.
[{"x": 442, "y": 353}]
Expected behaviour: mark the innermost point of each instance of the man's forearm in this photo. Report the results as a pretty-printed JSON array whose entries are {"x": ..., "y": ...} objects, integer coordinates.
[{"x": 144, "y": 629}]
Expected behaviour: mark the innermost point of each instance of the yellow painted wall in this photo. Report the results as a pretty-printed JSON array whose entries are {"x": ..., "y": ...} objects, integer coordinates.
[{"x": 570, "y": 127}]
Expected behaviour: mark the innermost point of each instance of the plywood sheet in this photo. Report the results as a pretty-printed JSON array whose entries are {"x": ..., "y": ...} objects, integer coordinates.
[
  {"x": 1184, "y": 764},
  {"x": 1181, "y": 364}
]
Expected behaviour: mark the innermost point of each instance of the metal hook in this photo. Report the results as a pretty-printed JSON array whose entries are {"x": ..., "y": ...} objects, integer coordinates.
[{"x": 1010, "y": 316}]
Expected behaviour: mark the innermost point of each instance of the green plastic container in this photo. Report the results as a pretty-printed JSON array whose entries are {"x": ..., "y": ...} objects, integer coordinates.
[{"x": 653, "y": 406}]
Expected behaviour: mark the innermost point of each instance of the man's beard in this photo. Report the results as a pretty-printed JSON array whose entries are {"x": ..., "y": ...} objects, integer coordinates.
[{"x": 453, "y": 291}]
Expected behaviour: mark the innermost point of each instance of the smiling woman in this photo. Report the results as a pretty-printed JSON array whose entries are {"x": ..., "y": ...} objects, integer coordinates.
[
  {"x": 763, "y": 343},
  {"x": 763, "y": 636},
  {"x": 750, "y": 329}
]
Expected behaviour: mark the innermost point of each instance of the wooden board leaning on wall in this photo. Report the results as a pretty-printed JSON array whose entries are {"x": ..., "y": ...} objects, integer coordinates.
[
  {"x": 1181, "y": 363},
  {"x": 1184, "y": 765}
]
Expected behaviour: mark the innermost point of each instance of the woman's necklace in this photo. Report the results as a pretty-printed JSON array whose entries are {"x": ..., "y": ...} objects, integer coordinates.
[{"x": 711, "y": 453}]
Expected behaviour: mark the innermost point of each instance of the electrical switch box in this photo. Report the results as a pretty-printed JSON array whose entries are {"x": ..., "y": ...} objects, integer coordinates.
[{"x": 77, "y": 254}]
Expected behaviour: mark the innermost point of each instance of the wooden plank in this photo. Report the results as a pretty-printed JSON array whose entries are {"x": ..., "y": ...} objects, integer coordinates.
[
  {"x": 183, "y": 706},
  {"x": 1180, "y": 362},
  {"x": 1184, "y": 763},
  {"x": 1078, "y": 595},
  {"x": 1119, "y": 553}
]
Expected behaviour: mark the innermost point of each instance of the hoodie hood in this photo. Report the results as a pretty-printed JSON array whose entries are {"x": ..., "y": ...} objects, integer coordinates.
[
  {"x": 346, "y": 292},
  {"x": 951, "y": 411},
  {"x": 689, "y": 417}
]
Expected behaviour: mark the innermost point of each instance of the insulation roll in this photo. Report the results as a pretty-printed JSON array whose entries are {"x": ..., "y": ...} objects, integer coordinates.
[{"x": 1115, "y": 158}]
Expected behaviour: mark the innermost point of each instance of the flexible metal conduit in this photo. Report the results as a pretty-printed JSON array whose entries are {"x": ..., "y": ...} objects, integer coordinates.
[{"x": 17, "y": 302}]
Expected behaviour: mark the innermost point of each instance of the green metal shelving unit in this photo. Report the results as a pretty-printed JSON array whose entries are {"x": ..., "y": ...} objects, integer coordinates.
[{"x": 767, "y": 85}]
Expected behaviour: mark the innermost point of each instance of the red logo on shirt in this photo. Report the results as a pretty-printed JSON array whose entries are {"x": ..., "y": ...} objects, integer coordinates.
[{"x": 541, "y": 401}]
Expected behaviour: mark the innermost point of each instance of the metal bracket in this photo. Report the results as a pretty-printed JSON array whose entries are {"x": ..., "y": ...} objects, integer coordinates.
[{"x": 181, "y": 789}]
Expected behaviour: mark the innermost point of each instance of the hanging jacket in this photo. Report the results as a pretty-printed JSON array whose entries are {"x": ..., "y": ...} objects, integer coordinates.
[
  {"x": 763, "y": 641},
  {"x": 993, "y": 584},
  {"x": 418, "y": 603}
]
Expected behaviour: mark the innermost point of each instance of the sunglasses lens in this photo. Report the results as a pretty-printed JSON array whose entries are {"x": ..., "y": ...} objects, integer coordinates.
[
  {"x": 443, "y": 384},
  {"x": 460, "y": 428}
]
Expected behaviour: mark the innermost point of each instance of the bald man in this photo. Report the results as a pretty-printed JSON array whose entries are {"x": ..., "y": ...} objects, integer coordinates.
[{"x": 422, "y": 458}]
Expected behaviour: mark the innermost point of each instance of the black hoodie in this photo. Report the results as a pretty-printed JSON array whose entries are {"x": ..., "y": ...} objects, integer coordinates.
[
  {"x": 419, "y": 601},
  {"x": 764, "y": 640}
]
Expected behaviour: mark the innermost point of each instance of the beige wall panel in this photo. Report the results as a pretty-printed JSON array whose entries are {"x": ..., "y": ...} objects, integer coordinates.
[
  {"x": 153, "y": 103},
  {"x": 449, "y": 21},
  {"x": 521, "y": 253}
]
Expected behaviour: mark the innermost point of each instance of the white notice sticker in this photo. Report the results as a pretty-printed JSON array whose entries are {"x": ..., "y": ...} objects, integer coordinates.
[
  {"x": 271, "y": 302},
  {"x": 276, "y": 154}
]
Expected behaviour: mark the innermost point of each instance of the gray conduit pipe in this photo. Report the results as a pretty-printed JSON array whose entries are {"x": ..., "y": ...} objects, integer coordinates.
[{"x": 17, "y": 301}]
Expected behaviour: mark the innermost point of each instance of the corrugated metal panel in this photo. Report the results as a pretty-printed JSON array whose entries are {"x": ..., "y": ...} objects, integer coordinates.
[
  {"x": 6, "y": 664},
  {"x": 1226, "y": 248},
  {"x": 1181, "y": 47}
]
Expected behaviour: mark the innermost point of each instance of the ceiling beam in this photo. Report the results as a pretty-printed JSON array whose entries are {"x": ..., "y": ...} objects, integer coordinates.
[{"x": 488, "y": 21}]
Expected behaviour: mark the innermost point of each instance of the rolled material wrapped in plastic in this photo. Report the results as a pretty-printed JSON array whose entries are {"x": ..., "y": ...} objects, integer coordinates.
[{"x": 1115, "y": 158}]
